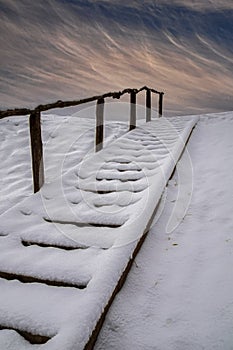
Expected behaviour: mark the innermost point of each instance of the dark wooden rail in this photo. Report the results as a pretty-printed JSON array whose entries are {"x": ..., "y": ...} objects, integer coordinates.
[
  {"x": 99, "y": 134},
  {"x": 36, "y": 150},
  {"x": 35, "y": 116},
  {"x": 133, "y": 116}
]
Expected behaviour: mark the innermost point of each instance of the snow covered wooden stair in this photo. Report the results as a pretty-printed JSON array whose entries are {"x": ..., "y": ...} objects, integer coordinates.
[{"x": 64, "y": 250}]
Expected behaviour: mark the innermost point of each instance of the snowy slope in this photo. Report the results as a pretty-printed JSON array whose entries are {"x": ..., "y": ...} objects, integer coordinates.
[
  {"x": 99, "y": 210},
  {"x": 179, "y": 293},
  {"x": 66, "y": 141}
]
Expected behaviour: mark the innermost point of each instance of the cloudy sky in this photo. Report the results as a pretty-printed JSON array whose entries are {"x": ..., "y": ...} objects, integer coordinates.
[{"x": 65, "y": 49}]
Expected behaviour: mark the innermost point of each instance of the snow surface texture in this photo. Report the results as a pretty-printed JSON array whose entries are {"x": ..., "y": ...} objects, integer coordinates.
[
  {"x": 66, "y": 140},
  {"x": 178, "y": 294},
  {"x": 99, "y": 210}
]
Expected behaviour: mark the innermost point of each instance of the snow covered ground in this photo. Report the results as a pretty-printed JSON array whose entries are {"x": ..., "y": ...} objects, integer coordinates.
[
  {"x": 179, "y": 293},
  {"x": 66, "y": 140},
  {"x": 79, "y": 233}
]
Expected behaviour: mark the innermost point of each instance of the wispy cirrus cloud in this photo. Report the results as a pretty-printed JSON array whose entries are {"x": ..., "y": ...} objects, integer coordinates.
[{"x": 71, "y": 49}]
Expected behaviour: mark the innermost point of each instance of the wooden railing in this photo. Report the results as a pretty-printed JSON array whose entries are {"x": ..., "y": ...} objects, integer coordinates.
[{"x": 35, "y": 122}]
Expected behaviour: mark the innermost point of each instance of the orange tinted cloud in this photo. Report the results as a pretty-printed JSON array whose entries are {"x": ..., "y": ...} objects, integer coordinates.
[{"x": 66, "y": 51}]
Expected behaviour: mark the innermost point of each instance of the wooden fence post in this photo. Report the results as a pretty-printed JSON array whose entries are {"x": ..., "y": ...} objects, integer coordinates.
[
  {"x": 148, "y": 105},
  {"x": 99, "y": 129},
  {"x": 132, "y": 110},
  {"x": 36, "y": 150},
  {"x": 161, "y": 104}
]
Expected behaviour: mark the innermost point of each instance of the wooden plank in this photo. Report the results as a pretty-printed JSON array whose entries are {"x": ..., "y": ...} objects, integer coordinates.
[
  {"x": 36, "y": 150},
  {"x": 148, "y": 105},
  {"x": 161, "y": 104},
  {"x": 132, "y": 110},
  {"x": 99, "y": 134}
]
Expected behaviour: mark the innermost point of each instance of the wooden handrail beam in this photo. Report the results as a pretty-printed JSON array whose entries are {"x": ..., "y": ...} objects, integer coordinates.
[
  {"x": 64, "y": 104},
  {"x": 35, "y": 126}
]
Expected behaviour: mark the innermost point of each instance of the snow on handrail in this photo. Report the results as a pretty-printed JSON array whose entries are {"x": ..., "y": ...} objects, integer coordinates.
[
  {"x": 63, "y": 104},
  {"x": 35, "y": 125}
]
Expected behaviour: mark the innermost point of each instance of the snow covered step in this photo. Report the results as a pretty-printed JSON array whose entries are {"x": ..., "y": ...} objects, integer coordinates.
[
  {"x": 52, "y": 245},
  {"x": 31, "y": 338},
  {"x": 127, "y": 175},
  {"x": 47, "y": 264},
  {"x": 35, "y": 308},
  {"x": 83, "y": 230},
  {"x": 31, "y": 279}
]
